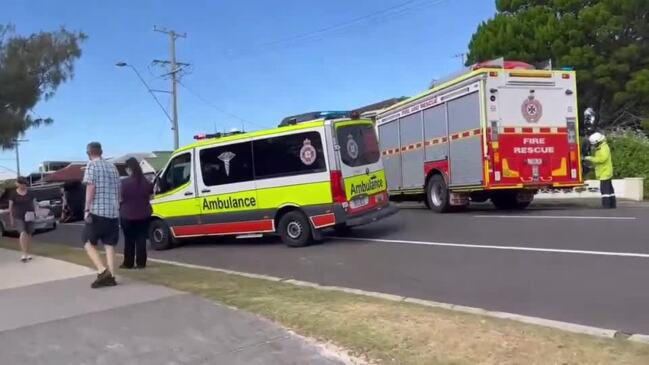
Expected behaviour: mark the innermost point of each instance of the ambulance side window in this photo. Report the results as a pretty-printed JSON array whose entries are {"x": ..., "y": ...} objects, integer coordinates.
[
  {"x": 289, "y": 155},
  {"x": 227, "y": 164},
  {"x": 177, "y": 174}
]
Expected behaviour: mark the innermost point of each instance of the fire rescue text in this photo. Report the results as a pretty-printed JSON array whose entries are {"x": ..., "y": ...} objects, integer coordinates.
[{"x": 534, "y": 145}]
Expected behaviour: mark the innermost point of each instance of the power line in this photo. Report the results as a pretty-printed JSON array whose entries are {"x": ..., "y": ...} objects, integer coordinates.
[
  {"x": 218, "y": 109},
  {"x": 386, "y": 13}
]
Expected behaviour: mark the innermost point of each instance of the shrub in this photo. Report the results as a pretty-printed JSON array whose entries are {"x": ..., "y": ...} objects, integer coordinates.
[{"x": 630, "y": 152}]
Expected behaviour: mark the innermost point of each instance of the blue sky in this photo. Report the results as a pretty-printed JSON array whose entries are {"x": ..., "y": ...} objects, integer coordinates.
[{"x": 238, "y": 65}]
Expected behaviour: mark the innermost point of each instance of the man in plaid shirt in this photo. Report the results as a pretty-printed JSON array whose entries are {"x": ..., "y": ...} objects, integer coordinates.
[{"x": 101, "y": 214}]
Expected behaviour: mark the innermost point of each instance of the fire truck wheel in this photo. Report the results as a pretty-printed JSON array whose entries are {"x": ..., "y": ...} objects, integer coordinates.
[
  {"x": 508, "y": 200},
  {"x": 437, "y": 194},
  {"x": 295, "y": 229}
]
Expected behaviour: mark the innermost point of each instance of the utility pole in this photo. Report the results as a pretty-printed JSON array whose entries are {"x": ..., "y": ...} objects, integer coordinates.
[
  {"x": 462, "y": 57},
  {"x": 174, "y": 68},
  {"x": 17, "y": 143}
]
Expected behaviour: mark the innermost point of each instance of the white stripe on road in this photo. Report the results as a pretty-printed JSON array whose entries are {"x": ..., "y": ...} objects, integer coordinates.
[
  {"x": 506, "y": 248},
  {"x": 554, "y": 217}
]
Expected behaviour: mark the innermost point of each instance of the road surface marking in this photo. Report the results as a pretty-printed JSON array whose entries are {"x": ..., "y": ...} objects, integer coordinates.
[
  {"x": 506, "y": 248},
  {"x": 555, "y": 217}
]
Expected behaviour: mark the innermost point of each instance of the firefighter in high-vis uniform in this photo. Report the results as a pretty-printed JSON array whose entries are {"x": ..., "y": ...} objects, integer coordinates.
[{"x": 601, "y": 160}]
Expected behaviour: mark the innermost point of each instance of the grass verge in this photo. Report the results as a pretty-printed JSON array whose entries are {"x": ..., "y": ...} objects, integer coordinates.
[{"x": 383, "y": 331}]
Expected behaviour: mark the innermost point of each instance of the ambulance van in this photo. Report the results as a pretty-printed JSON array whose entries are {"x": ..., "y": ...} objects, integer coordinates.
[{"x": 316, "y": 170}]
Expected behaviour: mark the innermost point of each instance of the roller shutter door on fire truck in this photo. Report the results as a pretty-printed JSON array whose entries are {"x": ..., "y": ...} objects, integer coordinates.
[
  {"x": 465, "y": 144},
  {"x": 389, "y": 140},
  {"x": 412, "y": 160}
]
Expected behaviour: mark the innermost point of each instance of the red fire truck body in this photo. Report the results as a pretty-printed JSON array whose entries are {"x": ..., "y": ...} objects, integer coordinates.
[{"x": 497, "y": 131}]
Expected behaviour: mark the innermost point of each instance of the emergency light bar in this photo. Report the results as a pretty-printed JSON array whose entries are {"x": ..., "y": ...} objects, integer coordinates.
[
  {"x": 202, "y": 136},
  {"x": 326, "y": 115}
]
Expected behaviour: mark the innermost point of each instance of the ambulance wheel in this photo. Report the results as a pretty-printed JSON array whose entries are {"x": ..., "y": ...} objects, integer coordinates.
[
  {"x": 295, "y": 230},
  {"x": 160, "y": 236},
  {"x": 437, "y": 194},
  {"x": 508, "y": 200}
]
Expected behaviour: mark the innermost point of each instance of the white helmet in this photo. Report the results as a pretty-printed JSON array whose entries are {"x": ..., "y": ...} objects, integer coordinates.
[{"x": 596, "y": 138}]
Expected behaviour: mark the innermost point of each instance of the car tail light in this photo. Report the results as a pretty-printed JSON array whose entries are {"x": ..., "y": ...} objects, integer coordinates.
[
  {"x": 565, "y": 76},
  {"x": 337, "y": 186}
]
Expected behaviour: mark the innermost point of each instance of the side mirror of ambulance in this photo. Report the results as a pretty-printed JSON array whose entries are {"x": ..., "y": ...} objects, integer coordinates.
[{"x": 590, "y": 117}]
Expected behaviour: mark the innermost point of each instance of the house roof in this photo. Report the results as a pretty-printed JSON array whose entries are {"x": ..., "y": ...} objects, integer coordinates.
[
  {"x": 380, "y": 105},
  {"x": 75, "y": 172},
  {"x": 72, "y": 172},
  {"x": 158, "y": 160}
]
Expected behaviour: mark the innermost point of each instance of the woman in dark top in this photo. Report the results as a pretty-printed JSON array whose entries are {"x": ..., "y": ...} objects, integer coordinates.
[
  {"x": 135, "y": 214},
  {"x": 22, "y": 214}
]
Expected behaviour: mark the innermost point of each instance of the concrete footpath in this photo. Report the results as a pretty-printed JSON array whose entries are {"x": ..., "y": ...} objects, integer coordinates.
[{"x": 49, "y": 315}]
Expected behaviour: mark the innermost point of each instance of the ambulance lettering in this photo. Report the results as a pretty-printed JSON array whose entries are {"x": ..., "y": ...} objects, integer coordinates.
[
  {"x": 366, "y": 187},
  {"x": 228, "y": 203}
]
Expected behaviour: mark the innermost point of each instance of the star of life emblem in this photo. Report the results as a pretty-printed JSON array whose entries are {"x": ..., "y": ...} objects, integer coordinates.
[
  {"x": 352, "y": 147},
  {"x": 226, "y": 157},
  {"x": 532, "y": 110},
  {"x": 308, "y": 153}
]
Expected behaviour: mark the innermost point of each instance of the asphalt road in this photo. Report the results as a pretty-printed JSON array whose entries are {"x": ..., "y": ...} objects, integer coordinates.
[{"x": 568, "y": 261}]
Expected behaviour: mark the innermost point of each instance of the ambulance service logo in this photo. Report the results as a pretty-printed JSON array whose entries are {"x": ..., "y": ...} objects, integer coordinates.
[
  {"x": 226, "y": 157},
  {"x": 352, "y": 147},
  {"x": 532, "y": 110},
  {"x": 308, "y": 153}
]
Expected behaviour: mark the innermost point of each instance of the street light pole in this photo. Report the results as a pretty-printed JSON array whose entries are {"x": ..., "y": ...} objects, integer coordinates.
[
  {"x": 173, "y": 121},
  {"x": 17, "y": 143},
  {"x": 175, "y": 67},
  {"x": 174, "y": 88}
]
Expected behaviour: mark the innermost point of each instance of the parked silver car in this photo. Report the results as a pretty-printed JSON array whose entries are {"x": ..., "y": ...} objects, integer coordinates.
[{"x": 45, "y": 221}]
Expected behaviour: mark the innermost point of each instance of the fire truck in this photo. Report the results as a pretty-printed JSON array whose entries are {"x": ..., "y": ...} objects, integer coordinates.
[{"x": 499, "y": 131}]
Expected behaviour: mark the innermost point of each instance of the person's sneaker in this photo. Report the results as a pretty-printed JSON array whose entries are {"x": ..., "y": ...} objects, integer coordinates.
[
  {"x": 23, "y": 259},
  {"x": 125, "y": 267},
  {"x": 29, "y": 258},
  {"x": 140, "y": 267},
  {"x": 111, "y": 281},
  {"x": 103, "y": 279}
]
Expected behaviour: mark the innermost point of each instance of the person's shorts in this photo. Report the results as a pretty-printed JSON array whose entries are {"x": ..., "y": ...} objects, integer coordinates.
[
  {"x": 101, "y": 229},
  {"x": 24, "y": 227}
]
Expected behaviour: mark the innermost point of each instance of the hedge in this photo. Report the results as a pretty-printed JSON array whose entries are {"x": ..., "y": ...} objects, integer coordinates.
[{"x": 630, "y": 152}]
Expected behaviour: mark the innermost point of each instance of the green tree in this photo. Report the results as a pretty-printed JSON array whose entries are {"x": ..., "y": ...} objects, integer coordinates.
[
  {"x": 31, "y": 70},
  {"x": 606, "y": 41}
]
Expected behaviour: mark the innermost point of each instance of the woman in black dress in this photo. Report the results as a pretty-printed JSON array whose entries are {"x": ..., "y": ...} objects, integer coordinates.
[
  {"x": 22, "y": 214},
  {"x": 135, "y": 212}
]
